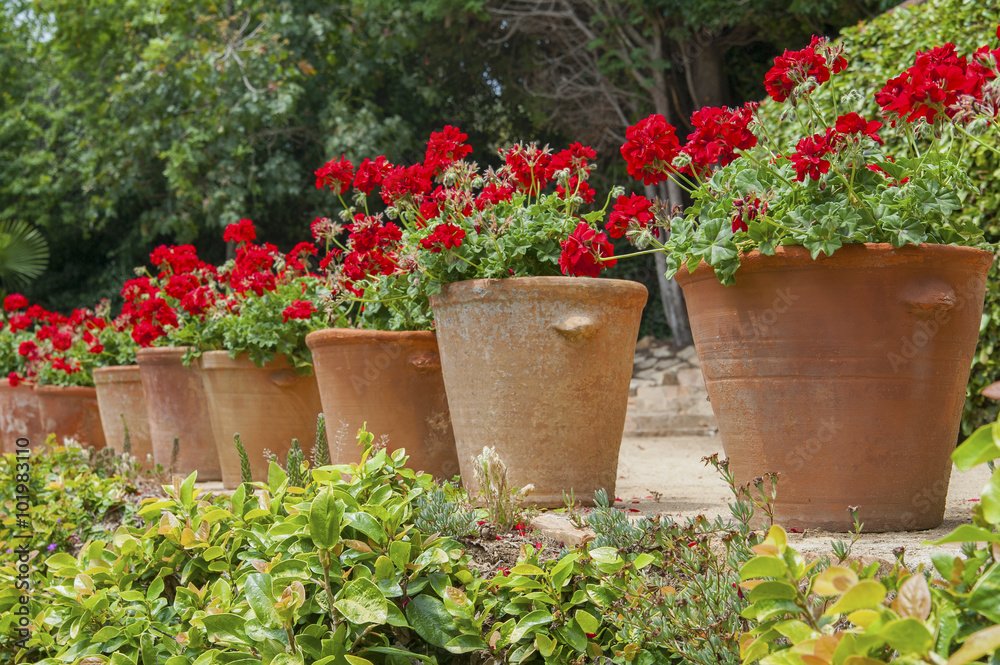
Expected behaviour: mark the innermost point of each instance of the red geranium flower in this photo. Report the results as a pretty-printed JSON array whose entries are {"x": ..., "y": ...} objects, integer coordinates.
[
  {"x": 583, "y": 250},
  {"x": 336, "y": 174},
  {"x": 14, "y": 379},
  {"x": 299, "y": 309},
  {"x": 402, "y": 181},
  {"x": 370, "y": 174},
  {"x": 528, "y": 165},
  {"x": 580, "y": 187},
  {"x": 793, "y": 68},
  {"x": 649, "y": 149},
  {"x": 853, "y": 124},
  {"x": 444, "y": 236},
  {"x": 20, "y": 322},
  {"x": 627, "y": 210},
  {"x": 242, "y": 231},
  {"x": 14, "y": 302},
  {"x": 492, "y": 194},
  {"x": 809, "y": 153},
  {"x": 576, "y": 158},
  {"x": 146, "y": 332},
  {"x": 445, "y": 148},
  {"x": 28, "y": 349}
]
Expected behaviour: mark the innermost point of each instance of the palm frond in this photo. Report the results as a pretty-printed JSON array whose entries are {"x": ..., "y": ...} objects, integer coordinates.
[{"x": 24, "y": 253}]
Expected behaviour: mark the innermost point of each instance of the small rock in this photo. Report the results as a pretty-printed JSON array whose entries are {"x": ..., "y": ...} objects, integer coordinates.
[
  {"x": 662, "y": 352},
  {"x": 657, "y": 398},
  {"x": 667, "y": 378},
  {"x": 691, "y": 378},
  {"x": 561, "y": 530},
  {"x": 645, "y": 362},
  {"x": 694, "y": 362},
  {"x": 644, "y": 343},
  {"x": 669, "y": 363},
  {"x": 650, "y": 374},
  {"x": 687, "y": 353},
  {"x": 635, "y": 384}
]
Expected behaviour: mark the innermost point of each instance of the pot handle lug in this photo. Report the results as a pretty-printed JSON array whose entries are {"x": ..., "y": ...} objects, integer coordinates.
[
  {"x": 577, "y": 328},
  {"x": 424, "y": 361},
  {"x": 929, "y": 296},
  {"x": 283, "y": 378}
]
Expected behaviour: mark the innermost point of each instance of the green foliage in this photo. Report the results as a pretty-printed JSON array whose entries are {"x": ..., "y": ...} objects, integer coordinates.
[
  {"x": 338, "y": 571},
  {"x": 321, "y": 450},
  {"x": 67, "y": 498},
  {"x": 443, "y": 510},
  {"x": 842, "y": 614},
  {"x": 246, "y": 476},
  {"x": 24, "y": 254},
  {"x": 879, "y": 49}
]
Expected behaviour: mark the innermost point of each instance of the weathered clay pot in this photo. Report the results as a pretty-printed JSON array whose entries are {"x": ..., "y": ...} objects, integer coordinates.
[
  {"x": 267, "y": 407},
  {"x": 19, "y": 417},
  {"x": 539, "y": 368},
  {"x": 392, "y": 381},
  {"x": 845, "y": 375},
  {"x": 119, "y": 394},
  {"x": 70, "y": 412},
  {"x": 177, "y": 407}
]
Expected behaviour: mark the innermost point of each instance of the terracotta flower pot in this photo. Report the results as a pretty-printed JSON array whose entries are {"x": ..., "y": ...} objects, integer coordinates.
[
  {"x": 177, "y": 407},
  {"x": 119, "y": 394},
  {"x": 267, "y": 407},
  {"x": 845, "y": 375},
  {"x": 539, "y": 368},
  {"x": 393, "y": 381},
  {"x": 19, "y": 417},
  {"x": 70, "y": 412}
]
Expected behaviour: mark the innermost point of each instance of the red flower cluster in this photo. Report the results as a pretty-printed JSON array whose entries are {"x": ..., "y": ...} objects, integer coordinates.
[
  {"x": 336, "y": 174},
  {"x": 718, "y": 134},
  {"x": 938, "y": 82},
  {"x": 528, "y": 167},
  {"x": 583, "y": 250},
  {"x": 746, "y": 210},
  {"x": 810, "y": 154},
  {"x": 628, "y": 211},
  {"x": 371, "y": 174},
  {"x": 14, "y": 302},
  {"x": 809, "y": 68},
  {"x": 650, "y": 148},
  {"x": 446, "y": 147},
  {"x": 299, "y": 309},
  {"x": 242, "y": 231},
  {"x": 444, "y": 236}
]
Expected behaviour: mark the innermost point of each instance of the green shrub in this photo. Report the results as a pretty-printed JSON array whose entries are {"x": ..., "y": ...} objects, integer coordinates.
[
  {"x": 808, "y": 614},
  {"x": 337, "y": 572},
  {"x": 881, "y": 49}
]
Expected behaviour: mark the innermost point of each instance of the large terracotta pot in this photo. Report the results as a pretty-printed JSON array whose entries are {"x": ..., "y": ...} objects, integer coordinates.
[
  {"x": 539, "y": 368},
  {"x": 119, "y": 395},
  {"x": 845, "y": 375},
  {"x": 178, "y": 408},
  {"x": 19, "y": 417},
  {"x": 70, "y": 412},
  {"x": 392, "y": 381},
  {"x": 267, "y": 407}
]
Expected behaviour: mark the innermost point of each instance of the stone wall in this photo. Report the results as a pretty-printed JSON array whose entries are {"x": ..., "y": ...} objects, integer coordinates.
[{"x": 667, "y": 396}]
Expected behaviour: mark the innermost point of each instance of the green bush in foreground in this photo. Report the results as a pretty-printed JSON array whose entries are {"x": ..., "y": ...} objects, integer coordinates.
[
  {"x": 814, "y": 614},
  {"x": 336, "y": 572}
]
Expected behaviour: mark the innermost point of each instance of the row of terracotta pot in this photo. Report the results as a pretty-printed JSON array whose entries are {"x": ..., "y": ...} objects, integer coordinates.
[{"x": 537, "y": 368}]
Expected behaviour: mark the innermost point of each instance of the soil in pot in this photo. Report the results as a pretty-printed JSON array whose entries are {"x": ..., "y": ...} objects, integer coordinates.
[
  {"x": 539, "y": 369},
  {"x": 267, "y": 406},
  {"x": 178, "y": 409},
  {"x": 392, "y": 381}
]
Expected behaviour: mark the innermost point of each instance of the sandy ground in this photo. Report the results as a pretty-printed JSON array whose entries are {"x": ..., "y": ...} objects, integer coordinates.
[{"x": 672, "y": 468}]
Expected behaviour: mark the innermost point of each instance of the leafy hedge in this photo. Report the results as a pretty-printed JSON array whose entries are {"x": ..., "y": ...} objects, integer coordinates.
[{"x": 882, "y": 48}]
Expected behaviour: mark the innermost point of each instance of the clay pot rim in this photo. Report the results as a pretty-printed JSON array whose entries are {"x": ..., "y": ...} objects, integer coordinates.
[
  {"x": 331, "y": 336},
  {"x": 851, "y": 255},
  {"x": 70, "y": 391},
  {"x": 117, "y": 374},
  {"x": 160, "y": 355},
  {"x": 220, "y": 359},
  {"x": 622, "y": 291}
]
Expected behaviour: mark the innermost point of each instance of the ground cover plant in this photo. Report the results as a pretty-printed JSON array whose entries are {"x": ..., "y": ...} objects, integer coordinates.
[{"x": 340, "y": 566}]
